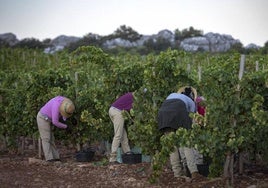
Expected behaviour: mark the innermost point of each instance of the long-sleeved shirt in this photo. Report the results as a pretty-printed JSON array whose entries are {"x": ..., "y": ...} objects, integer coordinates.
[
  {"x": 190, "y": 105},
  {"x": 200, "y": 109},
  {"x": 52, "y": 110},
  {"x": 124, "y": 102}
]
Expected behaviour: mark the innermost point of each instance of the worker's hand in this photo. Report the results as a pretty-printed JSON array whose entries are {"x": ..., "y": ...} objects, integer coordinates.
[{"x": 69, "y": 129}]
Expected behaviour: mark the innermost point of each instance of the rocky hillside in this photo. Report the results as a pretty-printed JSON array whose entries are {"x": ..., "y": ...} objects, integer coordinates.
[{"x": 211, "y": 42}]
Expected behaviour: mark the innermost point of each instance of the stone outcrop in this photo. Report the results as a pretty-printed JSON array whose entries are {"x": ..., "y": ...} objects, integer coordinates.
[
  {"x": 9, "y": 38},
  {"x": 209, "y": 42},
  {"x": 60, "y": 43},
  {"x": 212, "y": 42}
]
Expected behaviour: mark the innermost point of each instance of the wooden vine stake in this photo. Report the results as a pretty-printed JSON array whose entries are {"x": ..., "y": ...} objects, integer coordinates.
[
  {"x": 229, "y": 162},
  {"x": 199, "y": 72},
  {"x": 188, "y": 68},
  {"x": 242, "y": 67},
  {"x": 22, "y": 149},
  {"x": 39, "y": 148},
  {"x": 78, "y": 145},
  {"x": 242, "y": 160},
  {"x": 257, "y": 66},
  {"x": 241, "y": 71},
  {"x": 34, "y": 143}
]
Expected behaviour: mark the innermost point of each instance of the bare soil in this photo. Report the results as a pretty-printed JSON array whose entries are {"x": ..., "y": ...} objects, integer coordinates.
[{"x": 28, "y": 171}]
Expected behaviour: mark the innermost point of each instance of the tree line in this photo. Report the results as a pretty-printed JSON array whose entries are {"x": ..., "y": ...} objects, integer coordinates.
[{"x": 127, "y": 33}]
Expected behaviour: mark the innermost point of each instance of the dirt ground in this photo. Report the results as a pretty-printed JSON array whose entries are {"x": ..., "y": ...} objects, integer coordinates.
[{"x": 28, "y": 171}]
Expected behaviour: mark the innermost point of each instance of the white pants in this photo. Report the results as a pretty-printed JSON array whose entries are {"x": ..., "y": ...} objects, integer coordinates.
[
  {"x": 47, "y": 137},
  {"x": 120, "y": 134}
]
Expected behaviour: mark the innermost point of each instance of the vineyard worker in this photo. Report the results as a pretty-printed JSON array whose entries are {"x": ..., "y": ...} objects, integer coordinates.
[
  {"x": 173, "y": 114},
  {"x": 201, "y": 107},
  {"x": 55, "y": 109},
  {"x": 123, "y": 103}
]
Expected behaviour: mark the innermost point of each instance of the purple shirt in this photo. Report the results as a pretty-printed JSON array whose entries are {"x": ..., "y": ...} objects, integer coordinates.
[
  {"x": 52, "y": 110},
  {"x": 124, "y": 102}
]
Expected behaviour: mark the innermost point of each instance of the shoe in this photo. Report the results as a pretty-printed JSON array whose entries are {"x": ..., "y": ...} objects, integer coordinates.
[
  {"x": 129, "y": 153},
  {"x": 53, "y": 160},
  {"x": 197, "y": 177},
  {"x": 114, "y": 163},
  {"x": 183, "y": 178},
  {"x": 179, "y": 174}
]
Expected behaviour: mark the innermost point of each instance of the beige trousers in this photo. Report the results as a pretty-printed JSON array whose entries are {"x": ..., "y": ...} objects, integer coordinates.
[
  {"x": 47, "y": 137},
  {"x": 120, "y": 134},
  {"x": 176, "y": 161}
]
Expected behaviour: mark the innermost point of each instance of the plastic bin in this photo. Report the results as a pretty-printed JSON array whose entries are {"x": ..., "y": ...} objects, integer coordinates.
[
  {"x": 131, "y": 158},
  {"x": 84, "y": 155},
  {"x": 203, "y": 169}
]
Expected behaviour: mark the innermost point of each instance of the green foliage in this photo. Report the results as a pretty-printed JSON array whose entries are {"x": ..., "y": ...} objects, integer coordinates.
[
  {"x": 30, "y": 43},
  {"x": 236, "y": 118},
  {"x": 187, "y": 33},
  {"x": 4, "y": 44},
  {"x": 126, "y": 33},
  {"x": 88, "y": 40},
  {"x": 157, "y": 45},
  {"x": 162, "y": 75},
  {"x": 238, "y": 47},
  {"x": 264, "y": 50},
  {"x": 231, "y": 116}
]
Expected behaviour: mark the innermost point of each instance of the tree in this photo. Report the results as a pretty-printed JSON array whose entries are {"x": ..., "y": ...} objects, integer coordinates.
[
  {"x": 30, "y": 43},
  {"x": 264, "y": 50},
  {"x": 157, "y": 45},
  {"x": 126, "y": 33},
  {"x": 88, "y": 40},
  {"x": 3, "y": 43},
  {"x": 187, "y": 33},
  {"x": 237, "y": 47}
]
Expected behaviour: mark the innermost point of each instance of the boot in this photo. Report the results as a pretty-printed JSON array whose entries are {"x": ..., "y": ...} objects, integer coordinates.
[
  {"x": 182, "y": 176},
  {"x": 197, "y": 177}
]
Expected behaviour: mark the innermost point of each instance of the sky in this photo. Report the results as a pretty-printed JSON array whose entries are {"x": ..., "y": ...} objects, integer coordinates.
[{"x": 245, "y": 20}]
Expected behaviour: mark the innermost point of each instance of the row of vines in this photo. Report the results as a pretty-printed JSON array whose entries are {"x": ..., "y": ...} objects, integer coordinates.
[{"x": 237, "y": 107}]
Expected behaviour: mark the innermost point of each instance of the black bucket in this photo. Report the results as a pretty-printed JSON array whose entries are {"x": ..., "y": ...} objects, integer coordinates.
[
  {"x": 85, "y": 155},
  {"x": 203, "y": 169},
  {"x": 132, "y": 158}
]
